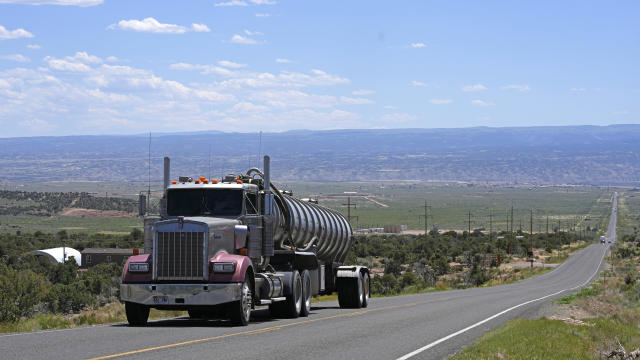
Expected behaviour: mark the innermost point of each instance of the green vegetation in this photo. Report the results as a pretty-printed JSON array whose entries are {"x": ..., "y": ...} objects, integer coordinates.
[
  {"x": 415, "y": 263},
  {"x": 581, "y": 207},
  {"x": 78, "y": 212},
  {"x": 35, "y": 294},
  {"x": 604, "y": 313}
]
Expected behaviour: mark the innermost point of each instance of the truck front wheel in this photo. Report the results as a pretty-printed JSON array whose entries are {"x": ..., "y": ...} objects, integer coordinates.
[
  {"x": 241, "y": 310},
  {"x": 137, "y": 314}
]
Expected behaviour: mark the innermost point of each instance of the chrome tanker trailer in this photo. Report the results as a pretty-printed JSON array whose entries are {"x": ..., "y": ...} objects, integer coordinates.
[{"x": 221, "y": 247}]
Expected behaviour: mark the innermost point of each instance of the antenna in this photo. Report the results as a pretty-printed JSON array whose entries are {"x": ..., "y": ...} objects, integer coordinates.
[
  {"x": 260, "y": 149},
  {"x": 149, "y": 181}
]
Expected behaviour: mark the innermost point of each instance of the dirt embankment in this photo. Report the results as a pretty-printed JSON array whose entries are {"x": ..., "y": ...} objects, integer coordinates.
[{"x": 92, "y": 213}]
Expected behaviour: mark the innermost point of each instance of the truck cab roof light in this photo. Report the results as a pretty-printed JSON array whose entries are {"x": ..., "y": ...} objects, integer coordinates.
[
  {"x": 174, "y": 182},
  {"x": 197, "y": 181},
  {"x": 239, "y": 181},
  {"x": 214, "y": 181}
]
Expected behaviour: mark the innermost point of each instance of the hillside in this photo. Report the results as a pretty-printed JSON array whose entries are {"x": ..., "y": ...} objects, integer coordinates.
[{"x": 569, "y": 154}]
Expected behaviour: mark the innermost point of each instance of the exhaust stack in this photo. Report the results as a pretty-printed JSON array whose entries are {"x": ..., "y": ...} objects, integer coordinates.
[{"x": 167, "y": 172}]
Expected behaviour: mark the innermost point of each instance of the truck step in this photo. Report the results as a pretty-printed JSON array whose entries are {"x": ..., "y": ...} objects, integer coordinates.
[{"x": 272, "y": 300}]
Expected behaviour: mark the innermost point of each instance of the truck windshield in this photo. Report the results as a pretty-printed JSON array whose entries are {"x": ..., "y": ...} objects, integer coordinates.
[{"x": 200, "y": 202}]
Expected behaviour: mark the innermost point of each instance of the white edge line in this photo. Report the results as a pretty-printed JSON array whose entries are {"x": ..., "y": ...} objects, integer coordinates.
[{"x": 429, "y": 346}]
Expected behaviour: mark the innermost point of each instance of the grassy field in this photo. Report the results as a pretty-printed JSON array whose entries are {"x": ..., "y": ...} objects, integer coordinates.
[
  {"x": 450, "y": 204},
  {"x": 53, "y": 224},
  {"x": 387, "y": 203}
]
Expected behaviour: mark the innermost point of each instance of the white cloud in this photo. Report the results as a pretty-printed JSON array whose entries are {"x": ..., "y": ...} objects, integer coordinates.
[
  {"x": 14, "y": 34},
  {"x": 476, "y": 87},
  {"x": 263, "y": 2},
  {"x": 440, "y": 101},
  {"x": 418, "y": 45},
  {"x": 390, "y": 107},
  {"x": 397, "y": 118},
  {"x": 149, "y": 25},
  {"x": 84, "y": 93},
  {"x": 112, "y": 59},
  {"x": 355, "y": 101},
  {"x": 84, "y": 57},
  {"x": 81, "y": 3},
  {"x": 34, "y": 46},
  {"x": 285, "y": 99},
  {"x": 37, "y": 125},
  {"x": 283, "y": 61},
  {"x": 239, "y": 39},
  {"x": 232, "y": 3},
  {"x": 362, "y": 92},
  {"x": 200, "y": 28},
  {"x": 66, "y": 65},
  {"x": 252, "y": 33},
  {"x": 482, "y": 103},
  {"x": 578, "y": 89},
  {"x": 521, "y": 88},
  {"x": 15, "y": 57},
  {"x": 231, "y": 64},
  {"x": 418, "y": 83},
  {"x": 263, "y": 15},
  {"x": 247, "y": 107},
  {"x": 621, "y": 112}
]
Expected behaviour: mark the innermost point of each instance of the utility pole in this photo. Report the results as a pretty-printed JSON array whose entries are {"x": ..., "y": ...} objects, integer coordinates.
[
  {"x": 547, "y": 225},
  {"x": 149, "y": 180},
  {"x": 531, "y": 235},
  {"x": 349, "y": 205},
  {"x": 469, "y": 233},
  {"x": 490, "y": 224},
  {"x": 511, "y": 233},
  {"x": 426, "y": 216}
]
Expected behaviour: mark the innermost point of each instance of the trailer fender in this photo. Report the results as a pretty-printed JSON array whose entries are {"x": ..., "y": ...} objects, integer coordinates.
[{"x": 351, "y": 271}]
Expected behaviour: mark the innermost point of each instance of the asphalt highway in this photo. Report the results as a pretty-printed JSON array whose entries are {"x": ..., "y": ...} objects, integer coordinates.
[{"x": 422, "y": 326}]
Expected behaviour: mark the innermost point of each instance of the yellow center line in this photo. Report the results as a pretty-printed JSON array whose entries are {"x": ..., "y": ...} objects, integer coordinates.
[{"x": 263, "y": 330}]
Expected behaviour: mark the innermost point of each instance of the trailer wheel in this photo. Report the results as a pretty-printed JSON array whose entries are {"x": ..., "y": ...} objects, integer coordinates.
[
  {"x": 241, "y": 310},
  {"x": 366, "y": 288},
  {"x": 137, "y": 314},
  {"x": 306, "y": 294}
]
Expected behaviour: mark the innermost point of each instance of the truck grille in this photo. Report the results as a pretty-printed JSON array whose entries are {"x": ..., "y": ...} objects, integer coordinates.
[{"x": 180, "y": 256}]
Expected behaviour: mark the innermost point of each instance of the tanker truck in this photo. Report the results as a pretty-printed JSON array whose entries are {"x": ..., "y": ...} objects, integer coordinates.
[{"x": 222, "y": 247}]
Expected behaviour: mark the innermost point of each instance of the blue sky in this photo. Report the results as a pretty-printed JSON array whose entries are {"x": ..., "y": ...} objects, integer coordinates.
[{"x": 126, "y": 67}]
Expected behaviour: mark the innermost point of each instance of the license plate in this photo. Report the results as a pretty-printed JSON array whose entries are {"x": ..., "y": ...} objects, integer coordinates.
[{"x": 162, "y": 300}]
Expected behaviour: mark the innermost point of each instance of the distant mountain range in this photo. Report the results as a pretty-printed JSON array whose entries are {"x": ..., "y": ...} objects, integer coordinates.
[{"x": 564, "y": 154}]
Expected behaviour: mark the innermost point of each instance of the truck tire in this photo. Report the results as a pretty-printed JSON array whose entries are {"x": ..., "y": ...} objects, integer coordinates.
[
  {"x": 306, "y": 294},
  {"x": 366, "y": 288},
  {"x": 240, "y": 311},
  {"x": 292, "y": 306},
  {"x": 197, "y": 314},
  {"x": 137, "y": 314}
]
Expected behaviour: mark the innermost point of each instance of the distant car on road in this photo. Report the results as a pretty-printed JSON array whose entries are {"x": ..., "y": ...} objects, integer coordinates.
[{"x": 602, "y": 239}]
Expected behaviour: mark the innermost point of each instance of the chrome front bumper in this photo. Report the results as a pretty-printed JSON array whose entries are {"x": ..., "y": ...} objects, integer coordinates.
[{"x": 180, "y": 294}]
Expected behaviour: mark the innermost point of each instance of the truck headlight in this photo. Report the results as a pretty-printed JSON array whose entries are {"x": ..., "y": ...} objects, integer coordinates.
[
  {"x": 139, "y": 267},
  {"x": 221, "y": 267}
]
